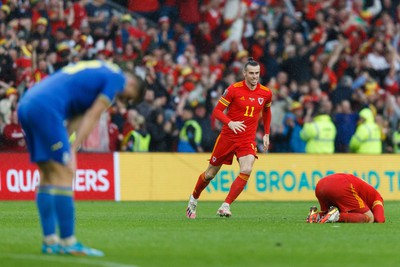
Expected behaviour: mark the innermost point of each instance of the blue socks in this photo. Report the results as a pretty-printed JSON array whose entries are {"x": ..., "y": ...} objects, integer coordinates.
[
  {"x": 65, "y": 210},
  {"x": 45, "y": 204},
  {"x": 56, "y": 204}
]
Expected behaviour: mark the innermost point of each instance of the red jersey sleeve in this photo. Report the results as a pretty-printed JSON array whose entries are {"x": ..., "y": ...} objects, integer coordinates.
[
  {"x": 266, "y": 115},
  {"x": 378, "y": 211},
  {"x": 223, "y": 103},
  {"x": 372, "y": 198}
]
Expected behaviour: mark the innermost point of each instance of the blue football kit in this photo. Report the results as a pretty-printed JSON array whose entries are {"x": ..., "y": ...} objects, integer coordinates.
[{"x": 45, "y": 108}]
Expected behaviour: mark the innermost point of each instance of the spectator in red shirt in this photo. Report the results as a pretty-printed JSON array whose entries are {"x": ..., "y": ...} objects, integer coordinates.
[
  {"x": 140, "y": 33},
  {"x": 310, "y": 10},
  {"x": 216, "y": 67},
  {"x": 213, "y": 16},
  {"x": 189, "y": 14},
  {"x": 57, "y": 16},
  {"x": 114, "y": 136},
  {"x": 229, "y": 56},
  {"x": 148, "y": 8},
  {"x": 203, "y": 40},
  {"x": 129, "y": 124},
  {"x": 131, "y": 53},
  {"x": 259, "y": 47},
  {"x": 79, "y": 14},
  {"x": 13, "y": 137},
  {"x": 40, "y": 71},
  {"x": 38, "y": 10}
]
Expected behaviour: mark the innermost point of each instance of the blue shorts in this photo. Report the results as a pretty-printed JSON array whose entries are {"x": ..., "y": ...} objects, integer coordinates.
[{"x": 45, "y": 133}]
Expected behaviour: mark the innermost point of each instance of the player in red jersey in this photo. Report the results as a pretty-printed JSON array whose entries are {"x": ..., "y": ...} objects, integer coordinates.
[
  {"x": 244, "y": 101},
  {"x": 347, "y": 198}
]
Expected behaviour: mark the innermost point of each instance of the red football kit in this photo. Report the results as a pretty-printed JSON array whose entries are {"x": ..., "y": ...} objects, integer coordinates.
[
  {"x": 349, "y": 194},
  {"x": 242, "y": 104}
]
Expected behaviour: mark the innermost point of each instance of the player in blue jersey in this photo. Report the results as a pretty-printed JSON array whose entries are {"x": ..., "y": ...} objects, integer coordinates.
[{"x": 70, "y": 100}]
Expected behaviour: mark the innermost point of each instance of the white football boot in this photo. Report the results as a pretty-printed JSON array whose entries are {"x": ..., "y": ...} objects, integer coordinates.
[
  {"x": 224, "y": 210},
  {"x": 191, "y": 209},
  {"x": 332, "y": 216}
]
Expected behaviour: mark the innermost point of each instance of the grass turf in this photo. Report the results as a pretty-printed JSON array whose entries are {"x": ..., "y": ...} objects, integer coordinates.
[{"x": 148, "y": 234}]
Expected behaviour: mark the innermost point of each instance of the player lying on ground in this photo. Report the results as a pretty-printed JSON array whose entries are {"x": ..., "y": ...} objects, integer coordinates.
[{"x": 346, "y": 198}]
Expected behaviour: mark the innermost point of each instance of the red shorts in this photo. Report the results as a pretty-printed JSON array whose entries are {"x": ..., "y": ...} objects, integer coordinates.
[
  {"x": 224, "y": 150},
  {"x": 339, "y": 192}
]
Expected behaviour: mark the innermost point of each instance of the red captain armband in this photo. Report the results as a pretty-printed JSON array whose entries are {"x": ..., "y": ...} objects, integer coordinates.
[{"x": 377, "y": 202}]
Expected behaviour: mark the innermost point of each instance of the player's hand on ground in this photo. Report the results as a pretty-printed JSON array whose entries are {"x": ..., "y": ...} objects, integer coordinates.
[
  {"x": 266, "y": 142},
  {"x": 237, "y": 126}
]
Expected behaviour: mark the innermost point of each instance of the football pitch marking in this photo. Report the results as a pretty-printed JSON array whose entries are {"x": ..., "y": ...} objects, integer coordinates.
[{"x": 65, "y": 259}]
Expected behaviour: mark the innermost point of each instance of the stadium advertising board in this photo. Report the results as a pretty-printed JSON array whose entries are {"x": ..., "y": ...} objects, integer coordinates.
[
  {"x": 94, "y": 178},
  {"x": 163, "y": 176}
]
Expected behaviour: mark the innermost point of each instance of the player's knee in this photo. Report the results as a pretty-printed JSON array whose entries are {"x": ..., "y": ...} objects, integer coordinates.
[
  {"x": 246, "y": 170},
  {"x": 209, "y": 175},
  {"x": 211, "y": 172},
  {"x": 63, "y": 173},
  {"x": 69, "y": 171}
]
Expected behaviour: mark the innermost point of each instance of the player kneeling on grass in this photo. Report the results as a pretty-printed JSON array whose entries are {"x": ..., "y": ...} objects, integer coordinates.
[
  {"x": 71, "y": 99},
  {"x": 245, "y": 101},
  {"x": 346, "y": 198}
]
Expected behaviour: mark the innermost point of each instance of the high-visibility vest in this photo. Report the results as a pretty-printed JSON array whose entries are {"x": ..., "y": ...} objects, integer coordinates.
[
  {"x": 319, "y": 135},
  {"x": 367, "y": 139},
  {"x": 141, "y": 143},
  {"x": 198, "y": 131},
  {"x": 396, "y": 142}
]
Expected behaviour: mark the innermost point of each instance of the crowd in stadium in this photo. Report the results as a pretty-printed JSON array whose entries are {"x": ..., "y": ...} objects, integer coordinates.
[{"x": 334, "y": 57}]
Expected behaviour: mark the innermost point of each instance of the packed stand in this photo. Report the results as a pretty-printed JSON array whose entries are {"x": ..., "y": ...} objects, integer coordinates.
[{"x": 331, "y": 65}]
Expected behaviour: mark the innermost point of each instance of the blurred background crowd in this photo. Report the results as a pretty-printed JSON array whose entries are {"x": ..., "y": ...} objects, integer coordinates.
[{"x": 334, "y": 58}]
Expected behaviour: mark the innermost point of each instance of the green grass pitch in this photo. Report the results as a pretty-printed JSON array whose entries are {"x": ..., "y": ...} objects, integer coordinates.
[{"x": 144, "y": 234}]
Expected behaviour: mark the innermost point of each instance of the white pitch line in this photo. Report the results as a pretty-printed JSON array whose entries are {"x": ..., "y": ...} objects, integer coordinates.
[{"x": 66, "y": 258}]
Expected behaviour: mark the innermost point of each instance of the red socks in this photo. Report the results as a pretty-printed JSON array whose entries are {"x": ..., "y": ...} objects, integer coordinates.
[
  {"x": 353, "y": 218},
  {"x": 200, "y": 185},
  {"x": 237, "y": 187}
]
